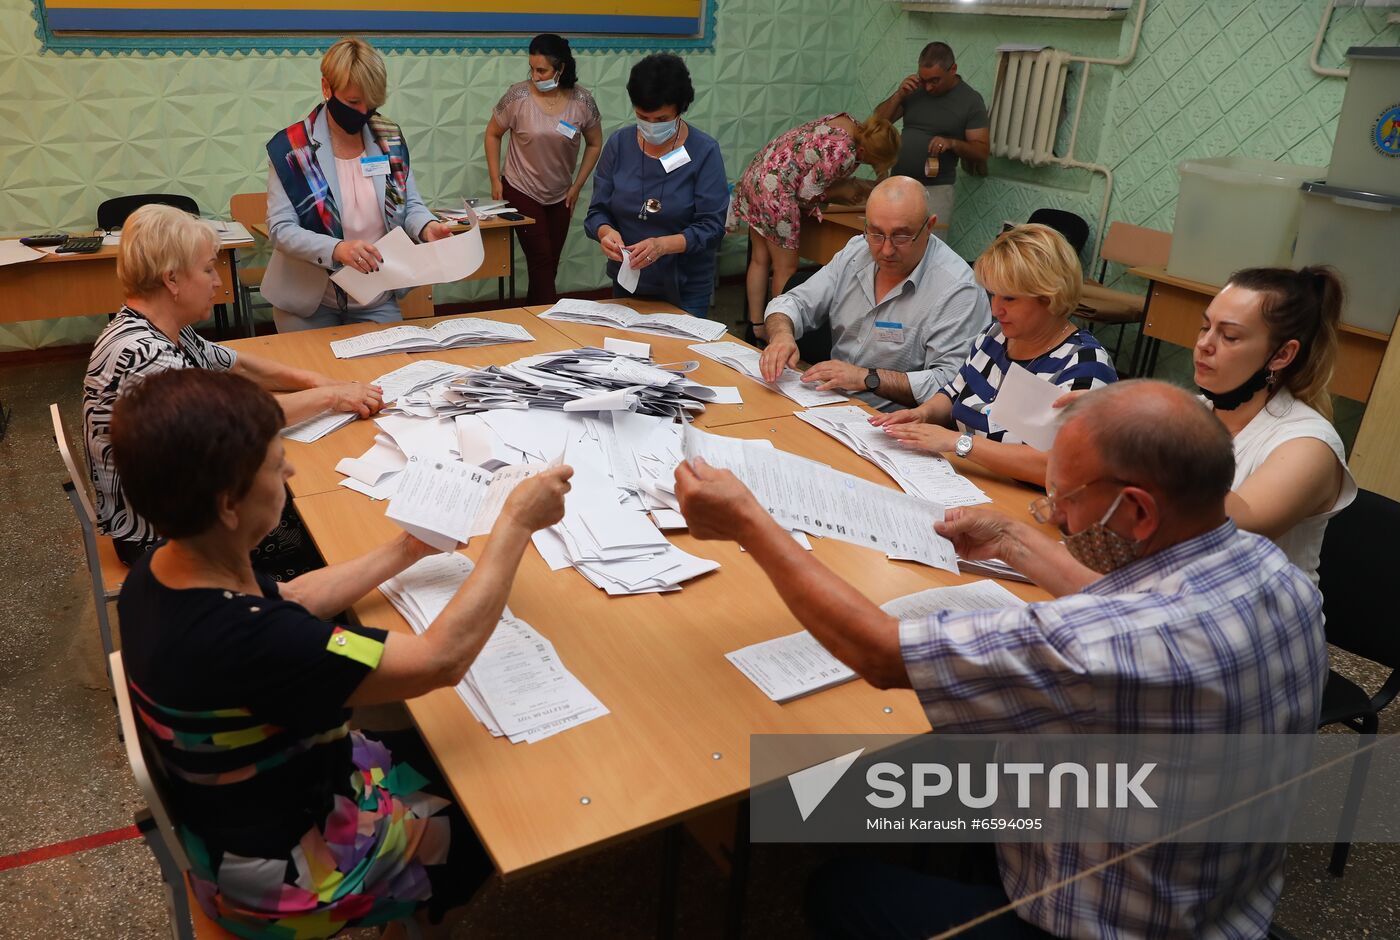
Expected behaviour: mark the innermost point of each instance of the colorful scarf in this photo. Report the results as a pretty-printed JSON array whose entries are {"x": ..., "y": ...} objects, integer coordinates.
[{"x": 293, "y": 155}]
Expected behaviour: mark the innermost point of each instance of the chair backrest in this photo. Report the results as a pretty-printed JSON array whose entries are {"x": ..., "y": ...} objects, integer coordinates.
[
  {"x": 248, "y": 208},
  {"x": 143, "y": 763},
  {"x": 1072, "y": 227},
  {"x": 1135, "y": 246},
  {"x": 78, "y": 479},
  {"x": 113, "y": 212},
  {"x": 1358, "y": 561}
]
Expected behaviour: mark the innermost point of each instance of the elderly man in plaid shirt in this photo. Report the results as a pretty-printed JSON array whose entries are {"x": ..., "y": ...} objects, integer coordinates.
[{"x": 1166, "y": 619}]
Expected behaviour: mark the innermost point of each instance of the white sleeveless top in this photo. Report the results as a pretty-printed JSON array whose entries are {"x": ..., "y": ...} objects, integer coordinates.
[{"x": 1284, "y": 419}]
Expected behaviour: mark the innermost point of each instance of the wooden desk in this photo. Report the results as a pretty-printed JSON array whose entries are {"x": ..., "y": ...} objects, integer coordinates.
[
  {"x": 497, "y": 241},
  {"x": 760, "y": 402},
  {"x": 1173, "y": 315},
  {"x": 83, "y": 285},
  {"x": 310, "y": 349},
  {"x": 820, "y": 241},
  {"x": 677, "y": 740}
]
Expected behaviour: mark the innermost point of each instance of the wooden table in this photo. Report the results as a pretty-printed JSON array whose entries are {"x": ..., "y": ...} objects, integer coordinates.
[
  {"x": 1173, "y": 315},
  {"x": 760, "y": 402},
  {"x": 820, "y": 241},
  {"x": 676, "y": 743},
  {"x": 80, "y": 285}
]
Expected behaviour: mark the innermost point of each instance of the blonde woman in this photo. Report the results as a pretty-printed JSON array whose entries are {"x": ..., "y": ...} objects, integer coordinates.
[
  {"x": 339, "y": 181},
  {"x": 1034, "y": 279},
  {"x": 801, "y": 166},
  {"x": 168, "y": 268}
]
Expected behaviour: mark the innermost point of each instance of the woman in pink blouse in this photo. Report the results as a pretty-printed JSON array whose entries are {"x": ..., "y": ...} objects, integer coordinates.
[{"x": 548, "y": 117}]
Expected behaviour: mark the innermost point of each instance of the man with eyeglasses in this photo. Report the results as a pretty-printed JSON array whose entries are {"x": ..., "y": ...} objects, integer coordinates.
[
  {"x": 902, "y": 306},
  {"x": 944, "y": 120},
  {"x": 1166, "y": 618}
]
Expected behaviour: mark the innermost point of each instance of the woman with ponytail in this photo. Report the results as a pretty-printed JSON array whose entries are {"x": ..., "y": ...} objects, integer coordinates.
[
  {"x": 805, "y": 165},
  {"x": 1264, "y": 359},
  {"x": 549, "y": 116}
]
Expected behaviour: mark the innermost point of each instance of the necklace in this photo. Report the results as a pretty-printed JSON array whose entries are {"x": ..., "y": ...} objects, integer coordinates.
[{"x": 555, "y": 96}]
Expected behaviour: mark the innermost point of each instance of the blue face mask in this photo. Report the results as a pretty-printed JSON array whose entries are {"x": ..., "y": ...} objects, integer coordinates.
[
  {"x": 658, "y": 132},
  {"x": 548, "y": 84}
]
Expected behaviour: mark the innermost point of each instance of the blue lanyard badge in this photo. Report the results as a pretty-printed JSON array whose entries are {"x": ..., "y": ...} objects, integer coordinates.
[
  {"x": 375, "y": 166},
  {"x": 565, "y": 129},
  {"x": 675, "y": 159},
  {"x": 887, "y": 332}
]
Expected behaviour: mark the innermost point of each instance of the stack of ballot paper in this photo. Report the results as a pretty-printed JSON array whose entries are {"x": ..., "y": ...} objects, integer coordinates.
[
  {"x": 796, "y": 665},
  {"x": 745, "y": 359},
  {"x": 397, "y": 384},
  {"x": 810, "y": 496},
  {"x": 625, "y": 318},
  {"x": 927, "y": 476},
  {"x": 449, "y": 334},
  {"x": 517, "y": 687}
]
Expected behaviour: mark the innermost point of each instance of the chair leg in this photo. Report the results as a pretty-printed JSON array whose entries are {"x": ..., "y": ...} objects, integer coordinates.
[
  {"x": 99, "y": 595},
  {"x": 1355, "y": 786},
  {"x": 177, "y": 902}
]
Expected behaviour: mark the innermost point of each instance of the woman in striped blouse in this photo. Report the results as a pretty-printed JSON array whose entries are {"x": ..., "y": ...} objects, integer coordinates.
[{"x": 1034, "y": 279}]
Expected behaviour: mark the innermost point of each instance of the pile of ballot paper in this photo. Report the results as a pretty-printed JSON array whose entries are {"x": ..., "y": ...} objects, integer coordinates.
[
  {"x": 927, "y": 476},
  {"x": 516, "y": 687},
  {"x": 745, "y": 359},
  {"x": 448, "y": 334},
  {"x": 625, "y": 318},
  {"x": 396, "y": 385}
]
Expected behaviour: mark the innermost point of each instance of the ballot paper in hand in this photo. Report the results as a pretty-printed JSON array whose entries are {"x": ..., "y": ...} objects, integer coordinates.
[
  {"x": 628, "y": 276},
  {"x": 405, "y": 264},
  {"x": 790, "y": 666},
  {"x": 746, "y": 360},
  {"x": 395, "y": 385},
  {"x": 445, "y": 503},
  {"x": 1023, "y": 407}
]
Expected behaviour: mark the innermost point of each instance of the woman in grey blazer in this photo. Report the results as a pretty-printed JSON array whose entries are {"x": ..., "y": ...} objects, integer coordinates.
[{"x": 338, "y": 182}]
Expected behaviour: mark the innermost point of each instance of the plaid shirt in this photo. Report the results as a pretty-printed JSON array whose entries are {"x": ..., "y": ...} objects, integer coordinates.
[{"x": 1217, "y": 634}]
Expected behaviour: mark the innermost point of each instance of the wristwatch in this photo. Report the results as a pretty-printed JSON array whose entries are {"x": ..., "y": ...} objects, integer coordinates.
[
  {"x": 964, "y": 446},
  {"x": 872, "y": 379}
]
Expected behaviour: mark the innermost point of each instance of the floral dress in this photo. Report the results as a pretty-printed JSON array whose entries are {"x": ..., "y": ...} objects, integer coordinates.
[{"x": 795, "y": 168}]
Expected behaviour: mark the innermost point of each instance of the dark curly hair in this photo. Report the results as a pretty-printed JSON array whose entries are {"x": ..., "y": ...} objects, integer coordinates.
[{"x": 659, "y": 80}]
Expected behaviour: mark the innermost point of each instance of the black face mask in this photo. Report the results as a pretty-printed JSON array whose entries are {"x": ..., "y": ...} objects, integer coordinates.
[
  {"x": 1229, "y": 401},
  {"x": 350, "y": 120}
]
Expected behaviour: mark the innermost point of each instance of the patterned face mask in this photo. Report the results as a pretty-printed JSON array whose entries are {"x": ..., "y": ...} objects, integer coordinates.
[{"x": 1101, "y": 549}]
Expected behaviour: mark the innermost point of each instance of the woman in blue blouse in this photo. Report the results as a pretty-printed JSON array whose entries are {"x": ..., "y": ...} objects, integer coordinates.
[{"x": 660, "y": 192}]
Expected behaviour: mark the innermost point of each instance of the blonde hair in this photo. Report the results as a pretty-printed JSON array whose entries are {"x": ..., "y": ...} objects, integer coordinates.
[
  {"x": 159, "y": 239},
  {"x": 353, "y": 61},
  {"x": 880, "y": 141},
  {"x": 1033, "y": 261}
]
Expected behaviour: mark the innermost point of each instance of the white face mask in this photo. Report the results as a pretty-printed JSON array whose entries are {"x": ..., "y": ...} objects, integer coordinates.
[
  {"x": 658, "y": 132},
  {"x": 548, "y": 84}
]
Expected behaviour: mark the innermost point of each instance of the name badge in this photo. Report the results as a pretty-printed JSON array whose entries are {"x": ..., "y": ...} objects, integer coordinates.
[
  {"x": 675, "y": 159},
  {"x": 375, "y": 166},
  {"x": 887, "y": 332},
  {"x": 566, "y": 129}
]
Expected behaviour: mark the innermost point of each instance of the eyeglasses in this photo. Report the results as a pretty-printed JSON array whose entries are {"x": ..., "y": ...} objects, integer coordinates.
[
  {"x": 876, "y": 240},
  {"x": 1045, "y": 509}
]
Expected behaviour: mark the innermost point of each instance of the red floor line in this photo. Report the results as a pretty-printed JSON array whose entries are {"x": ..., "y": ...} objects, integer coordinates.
[{"x": 71, "y": 847}]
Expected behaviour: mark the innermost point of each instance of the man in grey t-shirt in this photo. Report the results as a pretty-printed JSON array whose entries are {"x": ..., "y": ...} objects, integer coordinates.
[{"x": 944, "y": 120}]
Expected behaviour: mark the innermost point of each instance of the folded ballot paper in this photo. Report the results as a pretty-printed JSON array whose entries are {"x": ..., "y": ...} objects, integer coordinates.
[
  {"x": 812, "y": 497},
  {"x": 449, "y": 334},
  {"x": 406, "y": 264},
  {"x": 397, "y": 384},
  {"x": 745, "y": 359},
  {"x": 625, "y": 318},
  {"x": 517, "y": 687},
  {"x": 927, "y": 476},
  {"x": 792, "y": 666},
  {"x": 445, "y": 502}
]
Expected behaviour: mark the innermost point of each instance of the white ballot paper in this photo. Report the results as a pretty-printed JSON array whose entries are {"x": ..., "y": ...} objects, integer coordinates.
[
  {"x": 628, "y": 276},
  {"x": 12, "y": 252},
  {"x": 625, "y": 318},
  {"x": 744, "y": 359},
  {"x": 448, "y": 334},
  {"x": 395, "y": 385},
  {"x": 979, "y": 595},
  {"x": 1022, "y": 406},
  {"x": 627, "y": 347},
  {"x": 810, "y": 496},
  {"x": 444, "y": 502},
  {"x": 790, "y": 666},
  {"x": 408, "y": 265}
]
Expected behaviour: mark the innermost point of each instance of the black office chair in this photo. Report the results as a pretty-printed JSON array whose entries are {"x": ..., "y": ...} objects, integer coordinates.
[
  {"x": 1072, "y": 227},
  {"x": 113, "y": 213},
  {"x": 1357, "y": 560}
]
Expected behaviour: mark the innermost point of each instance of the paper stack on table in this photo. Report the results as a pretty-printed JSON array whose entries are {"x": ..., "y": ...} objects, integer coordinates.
[
  {"x": 795, "y": 665},
  {"x": 745, "y": 359},
  {"x": 517, "y": 687},
  {"x": 810, "y": 496},
  {"x": 449, "y": 334},
  {"x": 927, "y": 476},
  {"x": 625, "y": 318},
  {"x": 396, "y": 384},
  {"x": 406, "y": 264}
]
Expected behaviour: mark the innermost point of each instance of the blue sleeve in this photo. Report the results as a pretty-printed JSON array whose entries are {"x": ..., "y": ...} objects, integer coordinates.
[
  {"x": 600, "y": 209},
  {"x": 711, "y": 203}
]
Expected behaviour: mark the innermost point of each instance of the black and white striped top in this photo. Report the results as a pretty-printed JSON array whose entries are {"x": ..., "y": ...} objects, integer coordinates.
[{"x": 131, "y": 346}]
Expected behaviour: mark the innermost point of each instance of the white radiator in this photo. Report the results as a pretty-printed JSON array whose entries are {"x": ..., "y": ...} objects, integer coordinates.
[{"x": 1026, "y": 104}]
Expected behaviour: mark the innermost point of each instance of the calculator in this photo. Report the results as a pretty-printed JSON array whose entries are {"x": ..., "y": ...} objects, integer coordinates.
[
  {"x": 80, "y": 245},
  {"x": 44, "y": 241}
]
